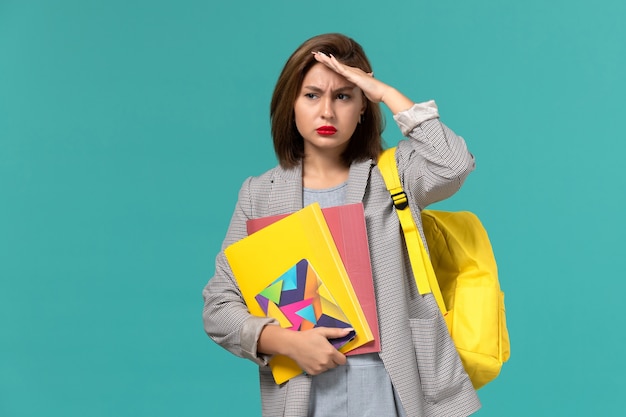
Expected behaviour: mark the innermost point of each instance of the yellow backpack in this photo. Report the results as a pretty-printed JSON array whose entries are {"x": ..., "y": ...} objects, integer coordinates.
[{"x": 461, "y": 273}]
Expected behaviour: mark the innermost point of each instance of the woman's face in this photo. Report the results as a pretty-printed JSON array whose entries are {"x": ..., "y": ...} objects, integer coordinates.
[{"x": 327, "y": 111}]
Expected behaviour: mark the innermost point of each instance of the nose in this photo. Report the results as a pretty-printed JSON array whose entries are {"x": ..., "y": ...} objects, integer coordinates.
[{"x": 328, "y": 111}]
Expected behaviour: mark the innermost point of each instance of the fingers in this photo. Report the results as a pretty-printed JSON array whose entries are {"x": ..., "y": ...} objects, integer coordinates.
[
  {"x": 339, "y": 358},
  {"x": 330, "y": 61},
  {"x": 334, "y": 332},
  {"x": 335, "y": 357},
  {"x": 326, "y": 360},
  {"x": 314, "y": 353},
  {"x": 321, "y": 57},
  {"x": 373, "y": 88},
  {"x": 334, "y": 64}
]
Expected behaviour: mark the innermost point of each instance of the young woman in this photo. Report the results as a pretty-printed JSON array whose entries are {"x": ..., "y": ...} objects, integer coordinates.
[{"x": 326, "y": 126}]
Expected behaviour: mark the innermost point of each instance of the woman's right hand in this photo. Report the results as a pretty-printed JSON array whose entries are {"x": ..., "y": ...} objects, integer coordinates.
[
  {"x": 310, "y": 349},
  {"x": 314, "y": 353}
]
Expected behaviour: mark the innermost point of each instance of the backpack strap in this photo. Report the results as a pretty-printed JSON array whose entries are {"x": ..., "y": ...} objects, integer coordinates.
[{"x": 423, "y": 271}]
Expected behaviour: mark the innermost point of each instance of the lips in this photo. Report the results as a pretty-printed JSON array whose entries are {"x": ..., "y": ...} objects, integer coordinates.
[{"x": 326, "y": 130}]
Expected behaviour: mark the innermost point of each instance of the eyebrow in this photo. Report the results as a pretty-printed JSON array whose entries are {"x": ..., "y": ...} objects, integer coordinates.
[{"x": 338, "y": 90}]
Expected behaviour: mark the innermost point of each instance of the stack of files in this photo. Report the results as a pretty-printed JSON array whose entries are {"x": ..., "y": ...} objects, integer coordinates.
[
  {"x": 296, "y": 259},
  {"x": 349, "y": 232}
]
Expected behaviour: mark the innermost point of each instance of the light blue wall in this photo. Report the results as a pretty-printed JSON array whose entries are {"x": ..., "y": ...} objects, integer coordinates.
[{"x": 126, "y": 128}]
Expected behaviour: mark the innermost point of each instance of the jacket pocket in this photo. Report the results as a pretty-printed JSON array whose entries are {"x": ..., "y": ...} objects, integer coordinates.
[{"x": 440, "y": 368}]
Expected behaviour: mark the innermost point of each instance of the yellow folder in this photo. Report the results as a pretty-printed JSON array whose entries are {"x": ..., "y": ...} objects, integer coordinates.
[{"x": 259, "y": 259}]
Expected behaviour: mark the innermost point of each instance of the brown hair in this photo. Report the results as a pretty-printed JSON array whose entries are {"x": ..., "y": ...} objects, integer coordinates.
[{"x": 366, "y": 140}]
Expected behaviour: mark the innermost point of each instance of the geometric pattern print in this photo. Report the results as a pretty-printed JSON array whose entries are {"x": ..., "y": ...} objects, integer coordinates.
[{"x": 299, "y": 300}]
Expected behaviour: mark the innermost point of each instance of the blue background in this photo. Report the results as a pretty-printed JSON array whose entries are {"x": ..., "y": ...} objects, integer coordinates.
[{"x": 127, "y": 127}]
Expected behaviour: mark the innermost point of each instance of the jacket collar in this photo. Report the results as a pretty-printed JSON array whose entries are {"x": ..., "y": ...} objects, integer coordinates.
[{"x": 288, "y": 182}]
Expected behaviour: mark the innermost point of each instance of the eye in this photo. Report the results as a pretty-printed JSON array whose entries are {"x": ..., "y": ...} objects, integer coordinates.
[
  {"x": 342, "y": 96},
  {"x": 310, "y": 95}
]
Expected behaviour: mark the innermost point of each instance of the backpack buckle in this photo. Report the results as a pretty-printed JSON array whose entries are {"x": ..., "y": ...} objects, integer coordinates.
[{"x": 400, "y": 200}]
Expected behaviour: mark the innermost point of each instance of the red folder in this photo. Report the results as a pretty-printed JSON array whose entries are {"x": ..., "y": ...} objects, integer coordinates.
[{"x": 347, "y": 226}]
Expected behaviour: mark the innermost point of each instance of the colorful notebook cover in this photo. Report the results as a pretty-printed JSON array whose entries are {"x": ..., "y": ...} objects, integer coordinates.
[
  {"x": 299, "y": 300},
  {"x": 261, "y": 258},
  {"x": 347, "y": 226}
]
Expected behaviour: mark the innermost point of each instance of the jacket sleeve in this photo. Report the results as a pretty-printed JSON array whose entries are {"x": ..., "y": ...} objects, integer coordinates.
[
  {"x": 433, "y": 162},
  {"x": 225, "y": 315}
]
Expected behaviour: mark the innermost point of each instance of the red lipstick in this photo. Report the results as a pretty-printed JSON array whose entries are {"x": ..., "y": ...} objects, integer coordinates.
[{"x": 326, "y": 130}]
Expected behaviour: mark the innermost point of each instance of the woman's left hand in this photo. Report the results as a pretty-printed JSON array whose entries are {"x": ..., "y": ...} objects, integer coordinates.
[
  {"x": 373, "y": 89},
  {"x": 376, "y": 91}
]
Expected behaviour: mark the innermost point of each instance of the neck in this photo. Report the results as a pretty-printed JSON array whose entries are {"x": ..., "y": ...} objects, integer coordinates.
[{"x": 318, "y": 173}]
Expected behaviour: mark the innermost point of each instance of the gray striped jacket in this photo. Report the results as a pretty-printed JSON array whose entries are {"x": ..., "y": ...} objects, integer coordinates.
[{"x": 416, "y": 348}]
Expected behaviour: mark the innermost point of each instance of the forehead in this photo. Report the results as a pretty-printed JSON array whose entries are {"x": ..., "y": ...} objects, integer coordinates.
[{"x": 323, "y": 77}]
